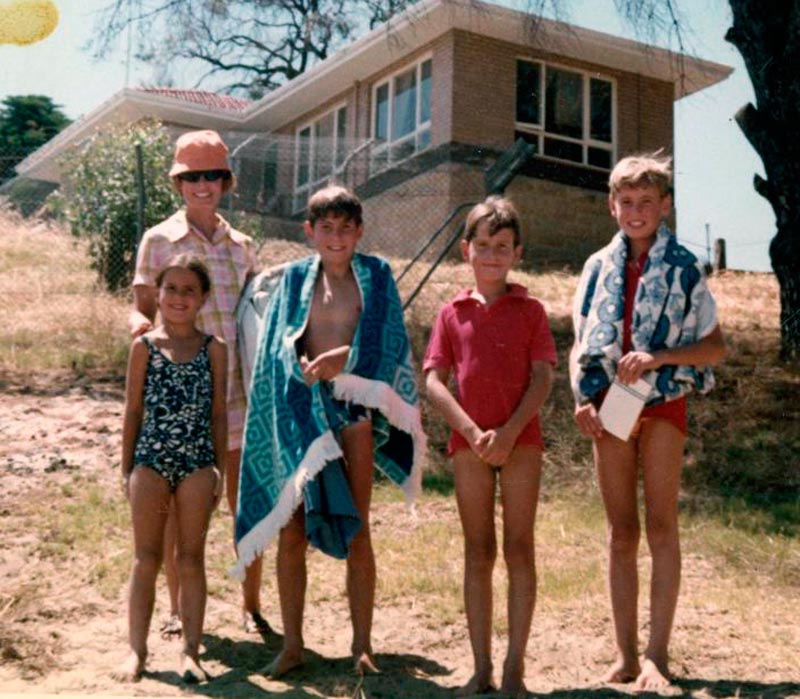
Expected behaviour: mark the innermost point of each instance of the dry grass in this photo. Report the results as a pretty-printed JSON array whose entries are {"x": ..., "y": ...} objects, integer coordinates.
[
  {"x": 740, "y": 511},
  {"x": 54, "y": 315}
]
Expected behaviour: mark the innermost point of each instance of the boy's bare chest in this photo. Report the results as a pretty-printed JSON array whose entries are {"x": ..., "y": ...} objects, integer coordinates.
[{"x": 335, "y": 310}]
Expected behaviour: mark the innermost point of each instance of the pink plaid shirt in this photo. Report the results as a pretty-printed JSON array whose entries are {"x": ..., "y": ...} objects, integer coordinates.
[{"x": 231, "y": 258}]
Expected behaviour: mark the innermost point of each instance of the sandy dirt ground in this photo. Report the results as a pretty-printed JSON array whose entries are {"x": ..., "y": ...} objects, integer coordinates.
[{"x": 59, "y": 634}]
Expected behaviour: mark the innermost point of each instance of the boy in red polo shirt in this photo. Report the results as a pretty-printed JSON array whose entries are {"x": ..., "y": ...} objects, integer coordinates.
[
  {"x": 496, "y": 340},
  {"x": 642, "y": 310}
]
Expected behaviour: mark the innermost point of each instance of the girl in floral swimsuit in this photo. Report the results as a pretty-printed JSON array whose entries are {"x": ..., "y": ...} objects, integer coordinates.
[{"x": 173, "y": 447}]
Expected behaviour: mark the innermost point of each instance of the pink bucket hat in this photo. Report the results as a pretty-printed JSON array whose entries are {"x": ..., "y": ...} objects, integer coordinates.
[{"x": 198, "y": 151}]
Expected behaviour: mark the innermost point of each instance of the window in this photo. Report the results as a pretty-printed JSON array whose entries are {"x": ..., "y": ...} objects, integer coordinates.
[
  {"x": 401, "y": 116},
  {"x": 565, "y": 113},
  {"x": 320, "y": 152}
]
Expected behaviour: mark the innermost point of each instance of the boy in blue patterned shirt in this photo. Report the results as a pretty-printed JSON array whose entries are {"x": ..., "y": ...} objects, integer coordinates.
[{"x": 642, "y": 305}]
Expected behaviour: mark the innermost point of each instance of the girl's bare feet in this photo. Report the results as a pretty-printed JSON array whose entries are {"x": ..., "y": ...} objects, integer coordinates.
[
  {"x": 622, "y": 672},
  {"x": 191, "y": 672},
  {"x": 130, "y": 669},
  {"x": 285, "y": 661},
  {"x": 479, "y": 683},
  {"x": 364, "y": 663},
  {"x": 651, "y": 678}
]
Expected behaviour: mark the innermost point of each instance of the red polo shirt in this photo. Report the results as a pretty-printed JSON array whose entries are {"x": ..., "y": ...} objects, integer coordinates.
[{"x": 490, "y": 350}]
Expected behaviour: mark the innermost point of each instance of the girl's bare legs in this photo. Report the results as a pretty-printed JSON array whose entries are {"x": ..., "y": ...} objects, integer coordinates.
[
  {"x": 251, "y": 587},
  {"x": 172, "y": 627},
  {"x": 291, "y": 569},
  {"x": 149, "y": 498},
  {"x": 475, "y": 486},
  {"x": 194, "y": 500},
  {"x": 661, "y": 449},
  {"x": 617, "y": 475},
  {"x": 519, "y": 490}
]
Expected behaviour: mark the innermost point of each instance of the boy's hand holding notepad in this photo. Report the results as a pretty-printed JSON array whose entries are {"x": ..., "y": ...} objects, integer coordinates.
[{"x": 622, "y": 406}]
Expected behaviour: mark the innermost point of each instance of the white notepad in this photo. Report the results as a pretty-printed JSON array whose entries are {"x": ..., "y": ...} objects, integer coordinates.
[{"x": 622, "y": 406}]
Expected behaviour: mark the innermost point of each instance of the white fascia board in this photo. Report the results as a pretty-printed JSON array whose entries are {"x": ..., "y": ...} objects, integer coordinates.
[{"x": 126, "y": 106}]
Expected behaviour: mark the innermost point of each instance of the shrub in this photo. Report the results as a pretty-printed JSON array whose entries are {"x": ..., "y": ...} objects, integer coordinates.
[{"x": 100, "y": 194}]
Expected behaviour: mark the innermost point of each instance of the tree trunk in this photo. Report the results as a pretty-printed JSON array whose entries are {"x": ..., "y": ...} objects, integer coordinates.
[{"x": 767, "y": 35}]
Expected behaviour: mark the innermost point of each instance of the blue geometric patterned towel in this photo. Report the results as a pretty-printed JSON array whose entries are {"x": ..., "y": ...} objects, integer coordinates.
[
  {"x": 673, "y": 307},
  {"x": 287, "y": 437}
]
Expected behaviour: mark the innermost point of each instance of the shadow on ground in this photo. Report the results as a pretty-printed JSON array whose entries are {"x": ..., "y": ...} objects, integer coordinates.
[{"x": 405, "y": 675}]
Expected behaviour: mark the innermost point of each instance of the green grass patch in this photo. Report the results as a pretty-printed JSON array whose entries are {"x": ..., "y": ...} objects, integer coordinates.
[{"x": 93, "y": 527}]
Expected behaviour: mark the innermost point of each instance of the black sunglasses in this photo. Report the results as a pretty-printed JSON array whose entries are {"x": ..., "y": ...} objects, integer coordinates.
[{"x": 207, "y": 175}]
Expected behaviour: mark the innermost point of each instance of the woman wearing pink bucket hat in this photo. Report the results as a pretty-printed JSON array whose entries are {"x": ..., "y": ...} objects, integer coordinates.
[{"x": 201, "y": 173}]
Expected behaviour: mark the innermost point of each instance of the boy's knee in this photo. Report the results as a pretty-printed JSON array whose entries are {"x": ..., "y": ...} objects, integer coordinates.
[
  {"x": 147, "y": 562},
  {"x": 518, "y": 551},
  {"x": 624, "y": 538},
  {"x": 292, "y": 541},
  {"x": 481, "y": 552},
  {"x": 189, "y": 561},
  {"x": 661, "y": 532}
]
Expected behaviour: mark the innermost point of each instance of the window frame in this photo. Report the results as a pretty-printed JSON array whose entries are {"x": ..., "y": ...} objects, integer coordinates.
[
  {"x": 421, "y": 128},
  {"x": 539, "y": 131},
  {"x": 301, "y": 192}
]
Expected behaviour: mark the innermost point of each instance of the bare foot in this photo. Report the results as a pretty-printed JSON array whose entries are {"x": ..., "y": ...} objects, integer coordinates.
[
  {"x": 621, "y": 672},
  {"x": 255, "y": 623},
  {"x": 191, "y": 672},
  {"x": 651, "y": 678},
  {"x": 283, "y": 663},
  {"x": 130, "y": 669},
  {"x": 171, "y": 629},
  {"x": 364, "y": 663},
  {"x": 479, "y": 683},
  {"x": 513, "y": 680}
]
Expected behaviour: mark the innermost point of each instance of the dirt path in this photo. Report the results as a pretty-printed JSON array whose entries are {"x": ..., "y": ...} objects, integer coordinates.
[{"x": 60, "y": 633}]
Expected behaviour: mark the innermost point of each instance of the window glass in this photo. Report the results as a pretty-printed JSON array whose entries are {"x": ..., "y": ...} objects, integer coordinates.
[
  {"x": 565, "y": 150},
  {"x": 402, "y": 116},
  {"x": 382, "y": 112},
  {"x": 528, "y": 92},
  {"x": 599, "y": 157},
  {"x": 341, "y": 130},
  {"x": 303, "y": 153},
  {"x": 423, "y": 139},
  {"x": 323, "y": 147},
  {"x": 600, "y": 104},
  {"x": 564, "y": 103},
  {"x": 404, "y": 107},
  {"x": 270, "y": 174},
  {"x": 425, "y": 92}
]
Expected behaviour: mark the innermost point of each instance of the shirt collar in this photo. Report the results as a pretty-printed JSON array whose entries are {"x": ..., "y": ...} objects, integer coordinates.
[
  {"x": 513, "y": 291},
  {"x": 182, "y": 228}
]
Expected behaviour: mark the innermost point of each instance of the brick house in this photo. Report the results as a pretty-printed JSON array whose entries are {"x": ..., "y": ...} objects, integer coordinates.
[{"x": 412, "y": 113}]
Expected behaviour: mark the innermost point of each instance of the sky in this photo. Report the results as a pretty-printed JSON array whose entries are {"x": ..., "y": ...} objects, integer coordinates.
[{"x": 715, "y": 165}]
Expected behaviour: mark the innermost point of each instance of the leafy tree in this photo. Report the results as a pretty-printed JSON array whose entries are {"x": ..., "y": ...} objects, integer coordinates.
[
  {"x": 767, "y": 35},
  {"x": 99, "y": 194},
  {"x": 26, "y": 122},
  {"x": 247, "y": 46}
]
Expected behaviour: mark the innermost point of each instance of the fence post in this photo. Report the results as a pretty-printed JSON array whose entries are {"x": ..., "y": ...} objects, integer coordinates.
[
  {"x": 720, "y": 263},
  {"x": 141, "y": 199}
]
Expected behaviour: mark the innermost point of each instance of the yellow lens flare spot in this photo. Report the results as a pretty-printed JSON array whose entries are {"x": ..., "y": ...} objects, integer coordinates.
[{"x": 27, "y": 21}]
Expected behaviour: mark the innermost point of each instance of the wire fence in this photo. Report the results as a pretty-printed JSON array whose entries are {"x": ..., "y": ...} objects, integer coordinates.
[{"x": 413, "y": 208}]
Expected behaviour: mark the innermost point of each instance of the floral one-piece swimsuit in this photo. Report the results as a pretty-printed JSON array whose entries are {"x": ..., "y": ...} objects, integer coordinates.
[{"x": 175, "y": 439}]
